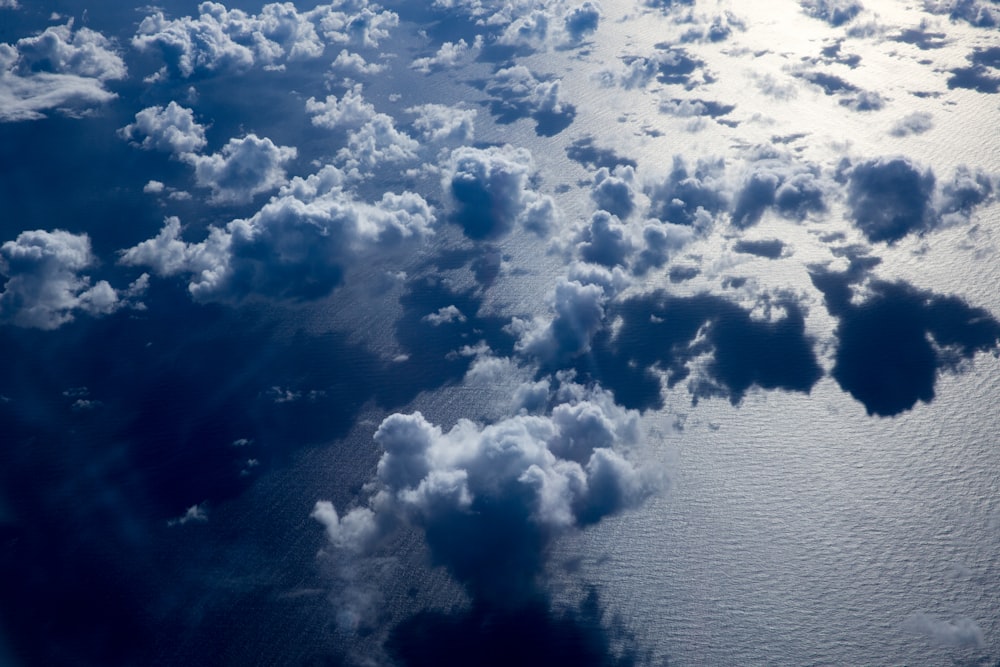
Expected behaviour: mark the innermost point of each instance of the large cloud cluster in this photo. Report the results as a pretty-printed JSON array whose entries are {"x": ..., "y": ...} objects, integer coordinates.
[
  {"x": 59, "y": 68},
  {"x": 44, "y": 287},
  {"x": 492, "y": 190},
  {"x": 232, "y": 39},
  {"x": 490, "y": 498},
  {"x": 297, "y": 246}
]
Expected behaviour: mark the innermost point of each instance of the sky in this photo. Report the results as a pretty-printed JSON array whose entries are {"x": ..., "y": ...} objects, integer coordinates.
[{"x": 541, "y": 332}]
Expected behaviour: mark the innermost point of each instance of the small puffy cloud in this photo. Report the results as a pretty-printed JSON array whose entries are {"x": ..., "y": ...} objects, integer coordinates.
[
  {"x": 372, "y": 137},
  {"x": 492, "y": 191},
  {"x": 60, "y": 68},
  {"x": 974, "y": 12},
  {"x": 966, "y": 190},
  {"x": 689, "y": 195},
  {"x": 350, "y": 111},
  {"x": 668, "y": 65},
  {"x": 834, "y": 12},
  {"x": 243, "y": 168},
  {"x": 518, "y": 93},
  {"x": 448, "y": 56},
  {"x": 792, "y": 189},
  {"x": 297, "y": 246},
  {"x": 577, "y": 314},
  {"x": 61, "y": 50},
  {"x": 890, "y": 198},
  {"x": 615, "y": 191},
  {"x": 605, "y": 241},
  {"x": 354, "y": 64},
  {"x": 582, "y": 20},
  {"x": 44, "y": 288},
  {"x": 660, "y": 241},
  {"x": 172, "y": 129},
  {"x": 438, "y": 122},
  {"x": 917, "y": 122},
  {"x": 489, "y": 499}
]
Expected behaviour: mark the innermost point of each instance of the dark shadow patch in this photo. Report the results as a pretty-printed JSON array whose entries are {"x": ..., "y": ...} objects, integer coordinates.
[
  {"x": 976, "y": 78},
  {"x": 830, "y": 83},
  {"x": 661, "y": 333},
  {"x": 681, "y": 274},
  {"x": 922, "y": 39},
  {"x": 550, "y": 123},
  {"x": 890, "y": 198},
  {"x": 586, "y": 153},
  {"x": 706, "y": 107},
  {"x": 770, "y": 249},
  {"x": 432, "y": 345},
  {"x": 529, "y": 635},
  {"x": 892, "y": 346}
]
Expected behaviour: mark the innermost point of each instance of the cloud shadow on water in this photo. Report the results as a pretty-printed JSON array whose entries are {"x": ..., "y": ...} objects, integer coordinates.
[
  {"x": 661, "y": 334},
  {"x": 892, "y": 346}
]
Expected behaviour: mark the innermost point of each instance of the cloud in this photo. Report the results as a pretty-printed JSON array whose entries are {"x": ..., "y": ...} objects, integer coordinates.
[
  {"x": 44, "y": 288},
  {"x": 615, "y": 192},
  {"x": 582, "y": 20},
  {"x": 774, "y": 181},
  {"x": 577, "y": 314},
  {"x": 354, "y": 64},
  {"x": 974, "y": 12},
  {"x": 297, "y": 246},
  {"x": 518, "y": 93},
  {"x": 688, "y": 196},
  {"x": 669, "y": 65},
  {"x": 449, "y": 55},
  {"x": 889, "y": 198},
  {"x": 492, "y": 191},
  {"x": 489, "y": 499},
  {"x": 60, "y": 68},
  {"x": 917, "y": 122},
  {"x": 834, "y": 12},
  {"x": 172, "y": 129},
  {"x": 437, "y": 122},
  {"x": 372, "y": 137},
  {"x": 243, "y": 168},
  {"x": 893, "y": 339},
  {"x": 966, "y": 190},
  {"x": 605, "y": 241},
  {"x": 223, "y": 39}
]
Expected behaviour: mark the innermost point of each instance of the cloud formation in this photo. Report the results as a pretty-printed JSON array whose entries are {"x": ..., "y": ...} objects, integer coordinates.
[
  {"x": 232, "y": 39},
  {"x": 172, "y": 129},
  {"x": 489, "y": 499},
  {"x": 492, "y": 191},
  {"x": 243, "y": 168},
  {"x": 60, "y": 68},
  {"x": 297, "y": 246},
  {"x": 44, "y": 288}
]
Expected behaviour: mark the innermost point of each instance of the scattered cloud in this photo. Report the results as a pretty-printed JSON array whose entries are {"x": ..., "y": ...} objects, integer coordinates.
[{"x": 44, "y": 288}]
